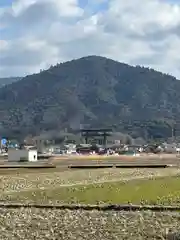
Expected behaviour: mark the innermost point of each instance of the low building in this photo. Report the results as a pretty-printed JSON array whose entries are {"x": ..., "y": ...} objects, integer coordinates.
[
  {"x": 22, "y": 155},
  {"x": 169, "y": 147},
  {"x": 71, "y": 148}
]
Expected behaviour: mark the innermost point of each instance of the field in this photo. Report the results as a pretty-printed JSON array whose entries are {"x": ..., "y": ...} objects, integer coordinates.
[
  {"x": 42, "y": 224},
  {"x": 54, "y": 186},
  {"x": 143, "y": 159},
  {"x": 20, "y": 182},
  {"x": 163, "y": 191}
]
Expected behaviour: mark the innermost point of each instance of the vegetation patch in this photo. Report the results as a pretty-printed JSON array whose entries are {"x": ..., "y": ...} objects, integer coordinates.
[{"x": 164, "y": 191}]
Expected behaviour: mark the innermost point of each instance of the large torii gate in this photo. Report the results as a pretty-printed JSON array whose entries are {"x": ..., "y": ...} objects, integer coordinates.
[{"x": 90, "y": 133}]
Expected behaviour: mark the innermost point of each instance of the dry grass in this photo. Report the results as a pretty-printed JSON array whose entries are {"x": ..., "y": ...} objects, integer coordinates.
[
  {"x": 31, "y": 181},
  {"x": 163, "y": 191},
  {"x": 111, "y": 157},
  {"x": 71, "y": 225}
]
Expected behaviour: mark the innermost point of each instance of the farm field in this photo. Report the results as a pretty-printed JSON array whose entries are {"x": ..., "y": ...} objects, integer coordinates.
[
  {"x": 43, "y": 224},
  {"x": 163, "y": 191},
  {"x": 52, "y": 186},
  {"x": 83, "y": 184},
  {"x": 144, "y": 159}
]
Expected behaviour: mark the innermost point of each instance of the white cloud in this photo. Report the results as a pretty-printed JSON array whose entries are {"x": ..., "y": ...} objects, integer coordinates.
[
  {"x": 38, "y": 33},
  {"x": 61, "y": 8}
]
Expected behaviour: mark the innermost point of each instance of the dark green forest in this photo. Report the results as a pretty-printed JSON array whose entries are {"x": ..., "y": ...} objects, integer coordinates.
[{"x": 92, "y": 91}]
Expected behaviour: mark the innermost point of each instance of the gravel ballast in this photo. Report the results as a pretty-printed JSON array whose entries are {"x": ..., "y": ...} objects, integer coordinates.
[{"x": 17, "y": 224}]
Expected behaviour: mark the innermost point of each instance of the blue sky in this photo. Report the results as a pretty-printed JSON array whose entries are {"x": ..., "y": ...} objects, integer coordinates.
[
  {"x": 139, "y": 32},
  {"x": 5, "y": 2}
]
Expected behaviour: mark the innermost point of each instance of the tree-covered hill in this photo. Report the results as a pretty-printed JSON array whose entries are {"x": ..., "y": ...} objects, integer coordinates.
[
  {"x": 91, "y": 90},
  {"x": 8, "y": 80}
]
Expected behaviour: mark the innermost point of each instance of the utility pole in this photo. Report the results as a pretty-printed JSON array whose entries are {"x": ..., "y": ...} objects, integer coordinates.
[{"x": 172, "y": 133}]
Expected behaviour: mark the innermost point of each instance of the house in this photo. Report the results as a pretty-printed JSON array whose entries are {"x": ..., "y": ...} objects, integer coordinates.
[
  {"x": 169, "y": 147},
  {"x": 83, "y": 148},
  {"x": 22, "y": 155},
  {"x": 71, "y": 148}
]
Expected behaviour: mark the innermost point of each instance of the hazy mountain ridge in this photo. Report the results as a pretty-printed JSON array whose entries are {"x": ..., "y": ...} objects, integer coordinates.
[{"x": 8, "y": 80}]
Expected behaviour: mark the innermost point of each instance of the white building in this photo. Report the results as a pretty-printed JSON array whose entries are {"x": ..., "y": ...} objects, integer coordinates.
[
  {"x": 18, "y": 155},
  {"x": 71, "y": 148}
]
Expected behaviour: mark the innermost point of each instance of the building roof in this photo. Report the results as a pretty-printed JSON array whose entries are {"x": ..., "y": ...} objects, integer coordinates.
[{"x": 22, "y": 149}]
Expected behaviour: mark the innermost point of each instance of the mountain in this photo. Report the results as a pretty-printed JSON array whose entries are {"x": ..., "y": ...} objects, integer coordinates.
[
  {"x": 8, "y": 80},
  {"x": 91, "y": 90}
]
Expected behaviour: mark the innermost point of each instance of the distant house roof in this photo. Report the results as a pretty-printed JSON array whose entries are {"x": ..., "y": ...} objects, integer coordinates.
[
  {"x": 113, "y": 145},
  {"x": 33, "y": 148},
  {"x": 135, "y": 146},
  {"x": 29, "y": 147},
  {"x": 83, "y": 145}
]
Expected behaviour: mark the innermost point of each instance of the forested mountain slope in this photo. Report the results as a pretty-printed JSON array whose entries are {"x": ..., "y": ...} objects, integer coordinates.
[{"x": 91, "y": 90}]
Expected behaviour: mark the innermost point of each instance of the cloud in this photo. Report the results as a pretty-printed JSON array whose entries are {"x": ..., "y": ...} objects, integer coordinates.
[{"x": 37, "y": 33}]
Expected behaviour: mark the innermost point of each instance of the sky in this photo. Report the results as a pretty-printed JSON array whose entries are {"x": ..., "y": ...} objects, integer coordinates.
[{"x": 35, "y": 34}]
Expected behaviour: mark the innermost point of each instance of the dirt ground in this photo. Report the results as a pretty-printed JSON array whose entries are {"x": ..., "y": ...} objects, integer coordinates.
[
  {"x": 33, "y": 223},
  {"x": 144, "y": 159},
  {"x": 85, "y": 160},
  {"x": 41, "y": 224}
]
